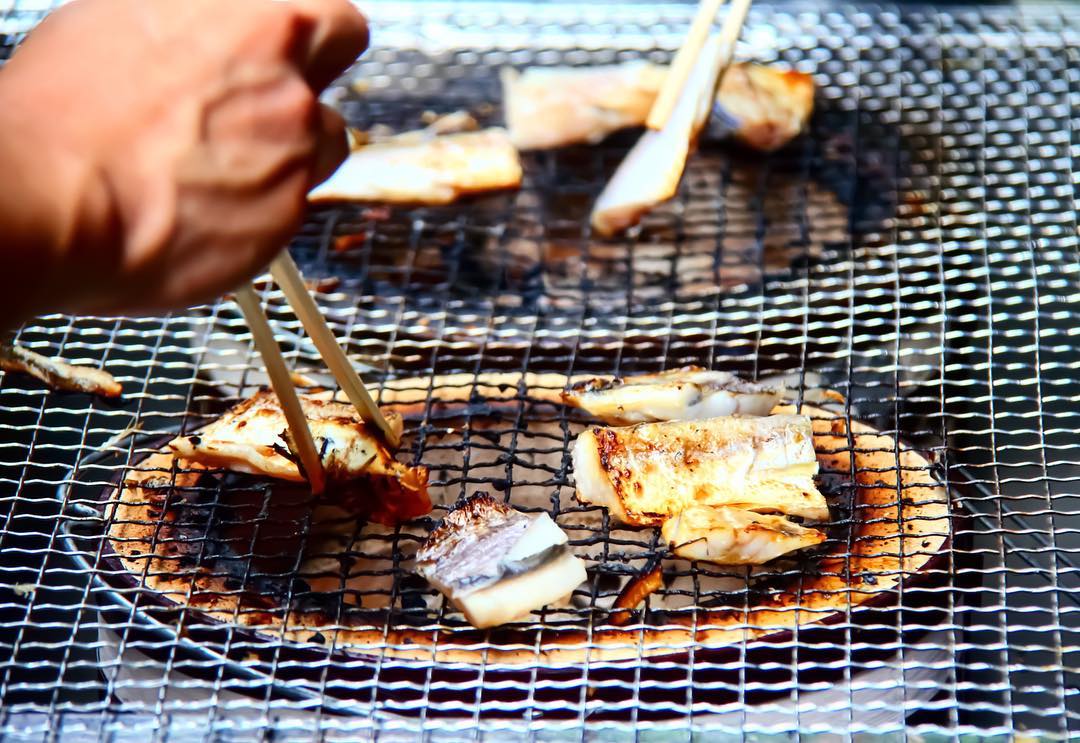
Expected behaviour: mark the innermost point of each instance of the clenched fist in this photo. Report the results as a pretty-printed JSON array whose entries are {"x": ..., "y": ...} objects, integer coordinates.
[{"x": 154, "y": 153}]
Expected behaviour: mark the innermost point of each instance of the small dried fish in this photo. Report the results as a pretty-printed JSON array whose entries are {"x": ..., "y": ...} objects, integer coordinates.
[
  {"x": 690, "y": 393},
  {"x": 361, "y": 472},
  {"x": 451, "y": 123},
  {"x": 425, "y": 168},
  {"x": 57, "y": 374},
  {"x": 497, "y": 564},
  {"x": 734, "y": 536},
  {"x": 646, "y": 473}
]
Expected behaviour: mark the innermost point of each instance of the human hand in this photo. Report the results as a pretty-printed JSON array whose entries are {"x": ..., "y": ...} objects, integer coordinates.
[{"x": 160, "y": 151}]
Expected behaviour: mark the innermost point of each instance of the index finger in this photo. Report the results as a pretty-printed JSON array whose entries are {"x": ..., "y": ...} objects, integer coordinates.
[{"x": 339, "y": 34}]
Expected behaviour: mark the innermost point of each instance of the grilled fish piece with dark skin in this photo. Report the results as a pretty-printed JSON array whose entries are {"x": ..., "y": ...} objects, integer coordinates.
[
  {"x": 734, "y": 536},
  {"x": 57, "y": 374},
  {"x": 359, "y": 468},
  {"x": 646, "y": 473},
  {"x": 690, "y": 393},
  {"x": 497, "y": 564}
]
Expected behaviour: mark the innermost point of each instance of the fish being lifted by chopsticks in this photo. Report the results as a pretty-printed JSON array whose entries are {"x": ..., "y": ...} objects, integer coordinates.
[
  {"x": 497, "y": 564},
  {"x": 762, "y": 106},
  {"x": 361, "y": 472},
  {"x": 690, "y": 393},
  {"x": 425, "y": 167},
  {"x": 57, "y": 374},
  {"x": 647, "y": 473}
]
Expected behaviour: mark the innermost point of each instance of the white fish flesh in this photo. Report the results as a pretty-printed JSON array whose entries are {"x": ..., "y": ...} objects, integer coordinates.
[
  {"x": 690, "y": 393},
  {"x": 735, "y": 536},
  {"x": 359, "y": 468},
  {"x": 763, "y": 106},
  {"x": 425, "y": 168},
  {"x": 646, "y": 473},
  {"x": 497, "y": 564}
]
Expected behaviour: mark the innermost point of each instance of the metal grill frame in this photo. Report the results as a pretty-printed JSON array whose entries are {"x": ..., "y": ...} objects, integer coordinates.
[{"x": 932, "y": 301}]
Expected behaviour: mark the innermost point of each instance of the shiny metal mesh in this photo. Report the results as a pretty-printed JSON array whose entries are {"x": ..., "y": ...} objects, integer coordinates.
[{"x": 916, "y": 252}]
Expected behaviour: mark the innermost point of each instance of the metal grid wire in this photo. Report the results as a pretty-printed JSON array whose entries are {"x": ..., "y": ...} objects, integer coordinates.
[{"x": 917, "y": 252}]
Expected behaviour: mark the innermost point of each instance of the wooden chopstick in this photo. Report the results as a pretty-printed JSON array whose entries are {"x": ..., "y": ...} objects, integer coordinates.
[
  {"x": 687, "y": 56},
  {"x": 288, "y": 277},
  {"x": 280, "y": 380},
  {"x": 729, "y": 37},
  {"x": 683, "y": 64}
]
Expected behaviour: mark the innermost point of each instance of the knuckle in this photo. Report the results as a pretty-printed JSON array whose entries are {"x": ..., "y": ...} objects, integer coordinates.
[{"x": 298, "y": 103}]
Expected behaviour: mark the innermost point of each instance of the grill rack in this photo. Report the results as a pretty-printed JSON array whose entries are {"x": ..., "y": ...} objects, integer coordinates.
[{"x": 960, "y": 281}]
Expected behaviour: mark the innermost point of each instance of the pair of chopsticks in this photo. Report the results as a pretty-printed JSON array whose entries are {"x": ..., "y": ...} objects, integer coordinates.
[
  {"x": 287, "y": 275},
  {"x": 688, "y": 54}
]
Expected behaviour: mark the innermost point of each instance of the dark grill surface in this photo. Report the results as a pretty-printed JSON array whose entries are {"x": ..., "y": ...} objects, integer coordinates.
[{"x": 916, "y": 252}]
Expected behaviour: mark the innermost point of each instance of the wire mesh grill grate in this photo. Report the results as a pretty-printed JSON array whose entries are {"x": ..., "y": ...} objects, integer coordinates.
[{"x": 917, "y": 252}]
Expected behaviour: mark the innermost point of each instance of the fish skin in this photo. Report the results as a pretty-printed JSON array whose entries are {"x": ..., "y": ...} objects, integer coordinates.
[{"x": 497, "y": 564}]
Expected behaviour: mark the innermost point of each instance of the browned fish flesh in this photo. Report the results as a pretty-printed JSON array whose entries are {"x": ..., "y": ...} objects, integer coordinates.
[
  {"x": 425, "y": 168},
  {"x": 359, "y": 468},
  {"x": 646, "y": 473},
  {"x": 690, "y": 393},
  {"x": 761, "y": 105},
  {"x": 735, "y": 536},
  {"x": 57, "y": 374},
  {"x": 497, "y": 564}
]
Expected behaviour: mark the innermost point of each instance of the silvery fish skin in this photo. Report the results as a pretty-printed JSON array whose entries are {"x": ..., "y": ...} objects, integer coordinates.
[
  {"x": 250, "y": 438},
  {"x": 734, "y": 536},
  {"x": 690, "y": 393},
  {"x": 425, "y": 168},
  {"x": 763, "y": 106},
  {"x": 497, "y": 564},
  {"x": 646, "y": 473}
]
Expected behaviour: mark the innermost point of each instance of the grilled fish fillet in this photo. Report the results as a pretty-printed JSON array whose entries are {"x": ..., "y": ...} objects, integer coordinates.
[
  {"x": 734, "y": 536},
  {"x": 690, "y": 393},
  {"x": 762, "y": 107},
  {"x": 425, "y": 168},
  {"x": 546, "y": 107},
  {"x": 646, "y": 473},
  {"x": 58, "y": 375},
  {"x": 497, "y": 564},
  {"x": 249, "y": 438},
  {"x": 550, "y": 107}
]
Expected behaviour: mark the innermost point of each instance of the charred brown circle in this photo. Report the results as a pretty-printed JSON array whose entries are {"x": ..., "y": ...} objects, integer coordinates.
[{"x": 893, "y": 526}]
